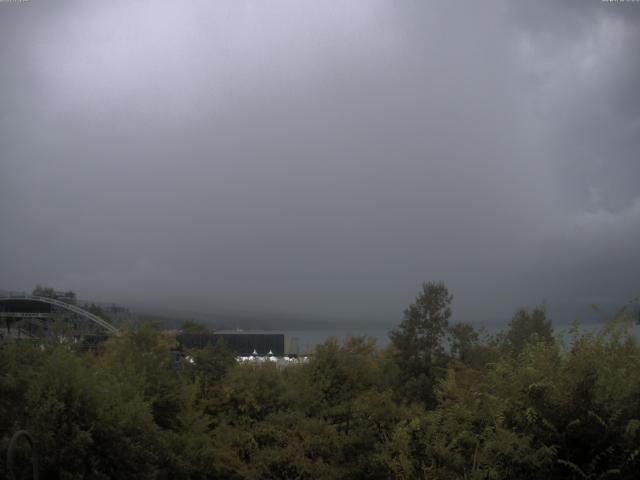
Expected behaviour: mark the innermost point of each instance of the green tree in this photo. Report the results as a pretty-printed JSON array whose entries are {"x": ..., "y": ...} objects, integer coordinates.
[
  {"x": 419, "y": 340},
  {"x": 526, "y": 327},
  {"x": 463, "y": 339},
  {"x": 141, "y": 360},
  {"x": 208, "y": 366},
  {"x": 194, "y": 327},
  {"x": 290, "y": 445},
  {"x": 85, "y": 423},
  {"x": 40, "y": 291}
]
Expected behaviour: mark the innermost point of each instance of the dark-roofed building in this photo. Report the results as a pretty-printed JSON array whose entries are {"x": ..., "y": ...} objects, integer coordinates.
[{"x": 278, "y": 344}]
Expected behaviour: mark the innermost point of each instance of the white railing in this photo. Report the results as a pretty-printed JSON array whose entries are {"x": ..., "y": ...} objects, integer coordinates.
[{"x": 72, "y": 308}]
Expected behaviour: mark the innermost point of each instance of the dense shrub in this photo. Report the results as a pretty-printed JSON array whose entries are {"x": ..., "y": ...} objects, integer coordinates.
[{"x": 520, "y": 405}]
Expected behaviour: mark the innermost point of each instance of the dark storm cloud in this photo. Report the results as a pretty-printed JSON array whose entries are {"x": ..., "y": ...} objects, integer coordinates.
[
  {"x": 586, "y": 81},
  {"x": 321, "y": 158},
  {"x": 585, "y": 89}
]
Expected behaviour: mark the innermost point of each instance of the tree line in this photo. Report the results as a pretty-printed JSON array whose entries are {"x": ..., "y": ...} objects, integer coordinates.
[{"x": 441, "y": 401}]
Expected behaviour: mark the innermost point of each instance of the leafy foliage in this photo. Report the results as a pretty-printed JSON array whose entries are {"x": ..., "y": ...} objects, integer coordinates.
[
  {"x": 441, "y": 402},
  {"x": 419, "y": 341}
]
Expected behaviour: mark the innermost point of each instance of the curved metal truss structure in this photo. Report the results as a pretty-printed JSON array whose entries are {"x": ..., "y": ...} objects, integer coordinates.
[{"x": 53, "y": 304}]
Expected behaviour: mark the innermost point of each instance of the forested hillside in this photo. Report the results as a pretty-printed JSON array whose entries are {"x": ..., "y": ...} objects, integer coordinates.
[{"x": 441, "y": 401}]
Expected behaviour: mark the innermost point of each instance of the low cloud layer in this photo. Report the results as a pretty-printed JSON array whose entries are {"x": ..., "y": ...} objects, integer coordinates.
[{"x": 322, "y": 159}]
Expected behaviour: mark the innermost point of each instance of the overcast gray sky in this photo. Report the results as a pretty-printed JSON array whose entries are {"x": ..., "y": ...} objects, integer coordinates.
[{"x": 322, "y": 158}]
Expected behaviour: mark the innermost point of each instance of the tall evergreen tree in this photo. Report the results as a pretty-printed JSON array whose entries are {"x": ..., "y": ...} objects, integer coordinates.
[
  {"x": 418, "y": 340},
  {"x": 528, "y": 326}
]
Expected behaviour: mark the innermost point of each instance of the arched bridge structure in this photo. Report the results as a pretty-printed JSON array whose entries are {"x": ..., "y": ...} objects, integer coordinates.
[{"x": 25, "y": 307}]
